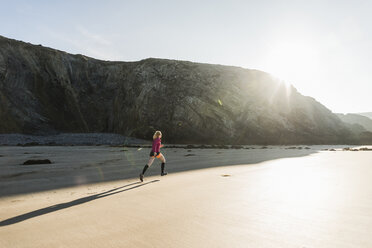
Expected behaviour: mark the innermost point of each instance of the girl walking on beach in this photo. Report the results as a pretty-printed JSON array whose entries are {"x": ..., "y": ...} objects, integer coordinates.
[{"x": 155, "y": 153}]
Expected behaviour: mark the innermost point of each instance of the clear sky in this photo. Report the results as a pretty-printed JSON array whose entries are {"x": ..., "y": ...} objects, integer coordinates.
[{"x": 323, "y": 48}]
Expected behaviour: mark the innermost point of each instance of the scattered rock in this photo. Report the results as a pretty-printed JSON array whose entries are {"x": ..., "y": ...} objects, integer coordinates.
[
  {"x": 365, "y": 149},
  {"x": 264, "y": 147},
  {"x": 37, "y": 161},
  {"x": 66, "y": 139},
  {"x": 236, "y": 147},
  {"x": 189, "y": 150},
  {"x": 32, "y": 144},
  {"x": 225, "y": 175},
  {"x": 356, "y": 149},
  {"x": 221, "y": 147},
  {"x": 332, "y": 150},
  {"x": 295, "y": 147},
  {"x": 187, "y": 155},
  {"x": 307, "y": 148}
]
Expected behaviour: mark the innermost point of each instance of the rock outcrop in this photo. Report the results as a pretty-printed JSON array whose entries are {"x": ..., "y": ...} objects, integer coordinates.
[{"x": 46, "y": 91}]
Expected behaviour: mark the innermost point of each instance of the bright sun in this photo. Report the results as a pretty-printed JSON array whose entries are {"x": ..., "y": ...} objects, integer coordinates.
[{"x": 291, "y": 61}]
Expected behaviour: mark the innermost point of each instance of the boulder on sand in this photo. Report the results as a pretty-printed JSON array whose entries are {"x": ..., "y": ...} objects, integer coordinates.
[{"x": 37, "y": 161}]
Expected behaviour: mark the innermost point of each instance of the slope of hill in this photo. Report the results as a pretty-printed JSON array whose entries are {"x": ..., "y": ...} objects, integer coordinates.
[
  {"x": 364, "y": 121},
  {"x": 46, "y": 91},
  {"x": 366, "y": 114}
]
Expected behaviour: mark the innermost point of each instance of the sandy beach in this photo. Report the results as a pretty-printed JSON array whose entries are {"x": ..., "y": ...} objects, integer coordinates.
[{"x": 272, "y": 197}]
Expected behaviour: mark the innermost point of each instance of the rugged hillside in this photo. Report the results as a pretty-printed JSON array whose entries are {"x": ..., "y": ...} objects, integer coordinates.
[
  {"x": 45, "y": 91},
  {"x": 353, "y": 119},
  {"x": 366, "y": 114}
]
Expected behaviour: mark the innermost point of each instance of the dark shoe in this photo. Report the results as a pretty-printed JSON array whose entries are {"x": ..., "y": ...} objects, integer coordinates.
[
  {"x": 164, "y": 173},
  {"x": 141, "y": 177}
]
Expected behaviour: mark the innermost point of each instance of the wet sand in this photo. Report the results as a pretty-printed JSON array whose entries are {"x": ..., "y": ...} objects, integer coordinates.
[
  {"x": 270, "y": 198},
  {"x": 76, "y": 165}
]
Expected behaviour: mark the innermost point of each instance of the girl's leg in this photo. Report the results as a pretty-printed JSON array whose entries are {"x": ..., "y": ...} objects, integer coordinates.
[
  {"x": 162, "y": 159},
  {"x": 151, "y": 160}
]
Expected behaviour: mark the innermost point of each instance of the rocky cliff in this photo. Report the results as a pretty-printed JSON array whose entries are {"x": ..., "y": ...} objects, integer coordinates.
[{"x": 46, "y": 91}]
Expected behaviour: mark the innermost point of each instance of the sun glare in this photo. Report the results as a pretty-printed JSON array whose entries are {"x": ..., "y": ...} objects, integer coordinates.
[{"x": 291, "y": 61}]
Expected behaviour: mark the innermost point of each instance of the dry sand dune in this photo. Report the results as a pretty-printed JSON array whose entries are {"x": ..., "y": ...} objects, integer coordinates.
[{"x": 270, "y": 198}]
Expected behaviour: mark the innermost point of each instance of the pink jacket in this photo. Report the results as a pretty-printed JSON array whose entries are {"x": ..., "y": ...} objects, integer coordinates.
[{"x": 156, "y": 145}]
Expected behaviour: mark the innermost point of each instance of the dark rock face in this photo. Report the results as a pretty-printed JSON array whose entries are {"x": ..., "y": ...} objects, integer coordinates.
[{"x": 46, "y": 91}]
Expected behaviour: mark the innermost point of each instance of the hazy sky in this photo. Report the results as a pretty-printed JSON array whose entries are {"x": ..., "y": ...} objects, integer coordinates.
[{"x": 323, "y": 48}]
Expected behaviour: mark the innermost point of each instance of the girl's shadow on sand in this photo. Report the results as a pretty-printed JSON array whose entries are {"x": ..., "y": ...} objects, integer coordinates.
[{"x": 61, "y": 206}]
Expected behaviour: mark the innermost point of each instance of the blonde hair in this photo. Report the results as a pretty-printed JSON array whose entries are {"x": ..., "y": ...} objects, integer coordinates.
[{"x": 157, "y": 134}]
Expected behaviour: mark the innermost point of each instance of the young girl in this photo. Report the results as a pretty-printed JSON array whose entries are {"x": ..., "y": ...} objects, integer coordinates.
[{"x": 155, "y": 153}]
